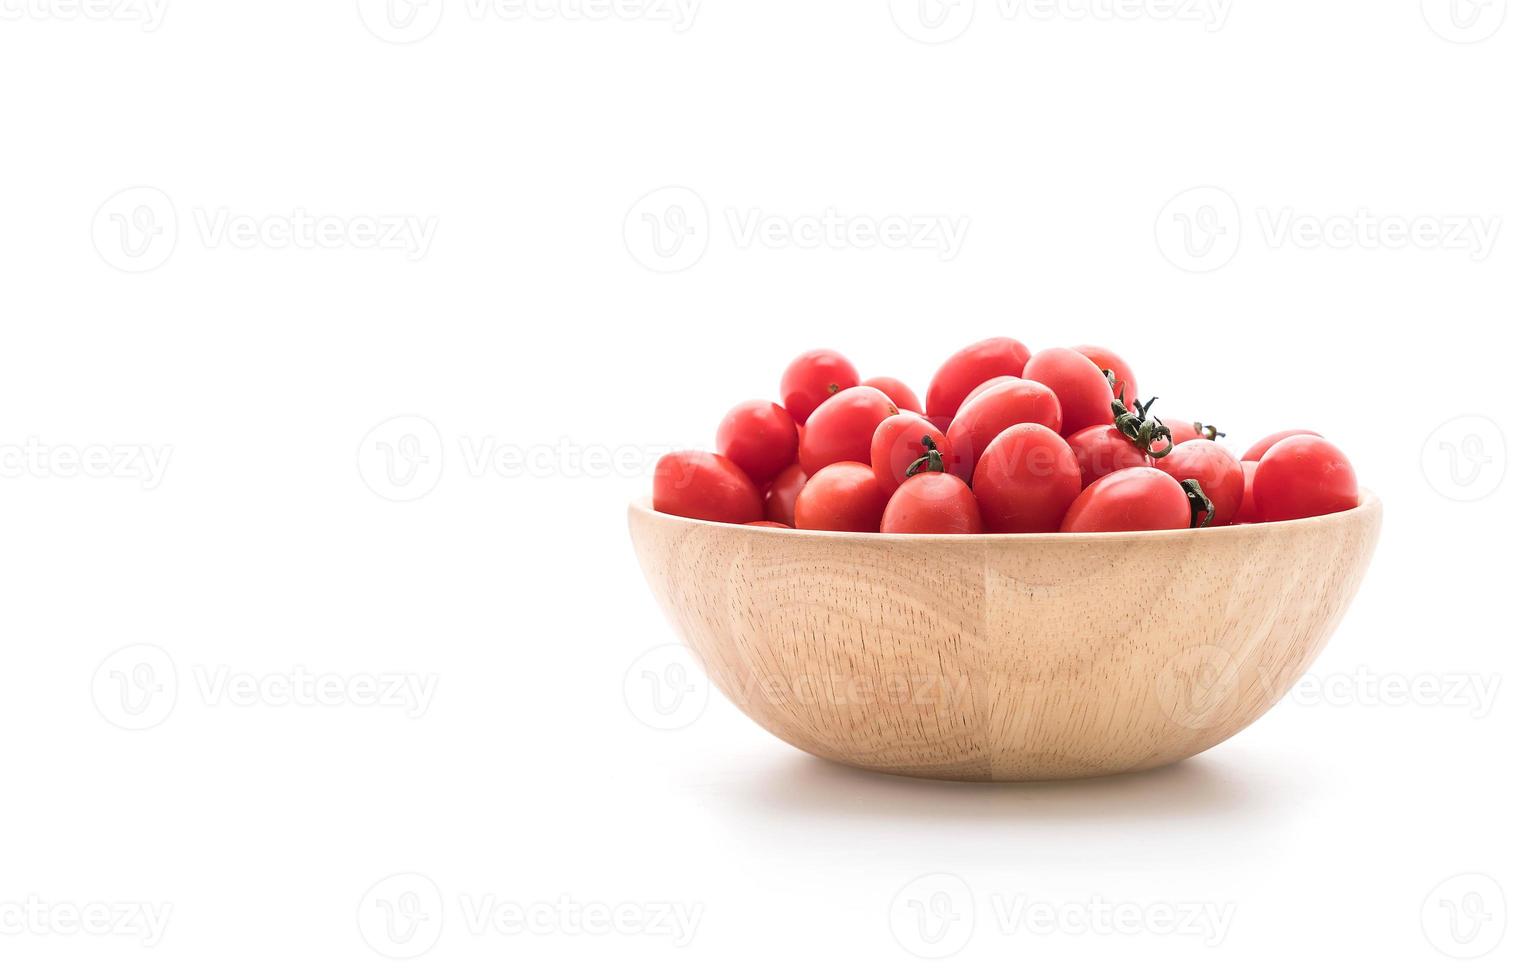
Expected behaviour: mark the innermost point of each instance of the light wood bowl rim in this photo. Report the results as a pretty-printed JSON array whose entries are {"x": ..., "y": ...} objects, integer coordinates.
[{"x": 1368, "y": 504}]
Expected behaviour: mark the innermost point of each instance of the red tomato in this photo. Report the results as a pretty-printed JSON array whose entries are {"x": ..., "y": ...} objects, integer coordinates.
[
  {"x": 760, "y": 437},
  {"x": 1256, "y": 450},
  {"x": 1216, "y": 470},
  {"x": 983, "y": 418},
  {"x": 812, "y": 378},
  {"x": 1246, "y": 512},
  {"x": 1083, "y": 392},
  {"x": 1105, "y": 360},
  {"x": 843, "y": 428},
  {"x": 1133, "y": 499},
  {"x": 1303, "y": 476},
  {"x": 897, "y": 444},
  {"x": 932, "y": 503},
  {"x": 705, "y": 486},
  {"x": 842, "y": 497},
  {"x": 767, "y": 524},
  {"x": 904, "y": 398},
  {"x": 984, "y": 386},
  {"x": 962, "y": 372},
  {"x": 1025, "y": 479},
  {"x": 1102, "y": 449},
  {"x": 779, "y": 500}
]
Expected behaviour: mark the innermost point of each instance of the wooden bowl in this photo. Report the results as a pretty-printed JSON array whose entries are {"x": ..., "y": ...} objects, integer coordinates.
[{"x": 1006, "y": 657}]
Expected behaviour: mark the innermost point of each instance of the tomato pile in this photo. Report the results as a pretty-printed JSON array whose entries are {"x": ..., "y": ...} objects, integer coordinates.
[{"x": 1007, "y": 442}]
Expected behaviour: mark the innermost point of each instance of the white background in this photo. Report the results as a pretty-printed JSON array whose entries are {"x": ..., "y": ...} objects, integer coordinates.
[{"x": 192, "y": 317}]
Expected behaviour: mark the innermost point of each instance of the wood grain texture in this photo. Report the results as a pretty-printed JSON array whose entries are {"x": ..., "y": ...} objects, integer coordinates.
[{"x": 1006, "y": 657}]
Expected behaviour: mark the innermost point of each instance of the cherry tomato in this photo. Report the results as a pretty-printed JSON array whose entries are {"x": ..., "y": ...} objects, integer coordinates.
[
  {"x": 1025, "y": 479},
  {"x": 841, "y": 497},
  {"x": 843, "y": 428},
  {"x": 897, "y": 444},
  {"x": 1246, "y": 512},
  {"x": 1217, "y": 471},
  {"x": 904, "y": 398},
  {"x": 1101, "y": 449},
  {"x": 962, "y": 373},
  {"x": 779, "y": 499},
  {"x": 1133, "y": 499},
  {"x": 812, "y": 378},
  {"x": 1106, "y": 360},
  {"x": 983, "y": 418},
  {"x": 1303, "y": 476},
  {"x": 1256, "y": 450},
  {"x": 760, "y": 437},
  {"x": 1083, "y": 392},
  {"x": 705, "y": 486},
  {"x": 984, "y": 386},
  {"x": 932, "y": 503},
  {"x": 767, "y": 524}
]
